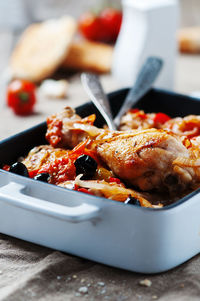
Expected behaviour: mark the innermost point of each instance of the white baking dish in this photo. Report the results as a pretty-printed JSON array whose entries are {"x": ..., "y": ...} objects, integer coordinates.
[{"x": 125, "y": 236}]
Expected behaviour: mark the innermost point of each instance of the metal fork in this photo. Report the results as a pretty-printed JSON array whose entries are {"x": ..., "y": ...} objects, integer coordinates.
[{"x": 146, "y": 77}]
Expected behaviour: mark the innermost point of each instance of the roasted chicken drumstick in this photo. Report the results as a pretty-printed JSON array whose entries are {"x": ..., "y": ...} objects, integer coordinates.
[{"x": 148, "y": 159}]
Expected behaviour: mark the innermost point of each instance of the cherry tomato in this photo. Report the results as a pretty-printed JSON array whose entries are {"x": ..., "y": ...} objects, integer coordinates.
[
  {"x": 21, "y": 96},
  {"x": 103, "y": 27},
  {"x": 161, "y": 118},
  {"x": 90, "y": 26},
  {"x": 111, "y": 20}
]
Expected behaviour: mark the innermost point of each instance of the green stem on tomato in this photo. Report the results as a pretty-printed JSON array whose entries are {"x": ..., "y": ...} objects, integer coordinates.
[{"x": 24, "y": 96}]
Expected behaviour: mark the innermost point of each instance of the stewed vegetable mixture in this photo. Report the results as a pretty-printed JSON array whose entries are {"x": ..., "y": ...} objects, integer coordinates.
[{"x": 152, "y": 161}]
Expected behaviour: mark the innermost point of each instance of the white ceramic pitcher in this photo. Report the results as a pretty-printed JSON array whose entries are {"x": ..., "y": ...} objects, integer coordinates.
[{"x": 148, "y": 29}]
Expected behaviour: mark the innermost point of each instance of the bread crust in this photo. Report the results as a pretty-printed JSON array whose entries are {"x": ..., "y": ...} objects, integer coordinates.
[
  {"x": 89, "y": 56},
  {"x": 189, "y": 40},
  {"x": 42, "y": 48}
]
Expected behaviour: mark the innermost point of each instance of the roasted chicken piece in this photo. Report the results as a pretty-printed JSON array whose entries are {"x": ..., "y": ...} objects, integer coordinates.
[
  {"x": 41, "y": 155},
  {"x": 148, "y": 159},
  {"x": 61, "y": 130},
  {"x": 56, "y": 162}
]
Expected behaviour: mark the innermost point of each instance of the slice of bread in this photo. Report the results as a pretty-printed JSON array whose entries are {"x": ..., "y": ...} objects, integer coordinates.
[
  {"x": 42, "y": 48},
  {"x": 189, "y": 40},
  {"x": 89, "y": 56}
]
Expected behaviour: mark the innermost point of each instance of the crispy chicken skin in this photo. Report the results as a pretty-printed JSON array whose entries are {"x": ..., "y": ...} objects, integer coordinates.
[
  {"x": 41, "y": 155},
  {"x": 147, "y": 159}
]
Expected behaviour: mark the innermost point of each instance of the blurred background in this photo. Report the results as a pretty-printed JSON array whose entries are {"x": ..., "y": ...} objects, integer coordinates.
[
  {"x": 16, "y": 15},
  {"x": 165, "y": 31}
]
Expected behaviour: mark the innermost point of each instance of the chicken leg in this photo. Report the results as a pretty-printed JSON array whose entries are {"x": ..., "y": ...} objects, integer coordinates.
[{"x": 147, "y": 159}]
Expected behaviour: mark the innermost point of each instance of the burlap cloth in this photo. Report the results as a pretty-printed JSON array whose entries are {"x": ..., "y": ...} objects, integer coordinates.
[{"x": 31, "y": 272}]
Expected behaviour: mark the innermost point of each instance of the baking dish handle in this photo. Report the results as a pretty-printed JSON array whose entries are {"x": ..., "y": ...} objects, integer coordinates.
[{"x": 12, "y": 193}]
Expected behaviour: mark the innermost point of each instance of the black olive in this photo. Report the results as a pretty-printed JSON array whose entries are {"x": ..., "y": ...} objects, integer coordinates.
[
  {"x": 44, "y": 177},
  {"x": 19, "y": 168},
  {"x": 132, "y": 201},
  {"x": 171, "y": 179},
  {"x": 85, "y": 165}
]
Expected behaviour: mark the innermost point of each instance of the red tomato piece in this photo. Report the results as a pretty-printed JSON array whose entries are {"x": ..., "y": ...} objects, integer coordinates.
[
  {"x": 33, "y": 173},
  {"x": 84, "y": 190},
  {"x": 115, "y": 180},
  {"x": 54, "y": 133},
  {"x": 142, "y": 115},
  {"x": 161, "y": 118},
  {"x": 76, "y": 187},
  {"x": 6, "y": 167},
  {"x": 133, "y": 111},
  {"x": 61, "y": 170},
  {"x": 21, "y": 97}
]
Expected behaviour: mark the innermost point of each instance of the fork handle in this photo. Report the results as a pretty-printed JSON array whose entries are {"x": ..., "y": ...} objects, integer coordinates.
[
  {"x": 143, "y": 84},
  {"x": 95, "y": 91}
]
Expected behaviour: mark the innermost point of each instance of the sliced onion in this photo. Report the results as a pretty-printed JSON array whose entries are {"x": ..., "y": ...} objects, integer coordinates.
[
  {"x": 187, "y": 162},
  {"x": 90, "y": 129},
  {"x": 111, "y": 190}
]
